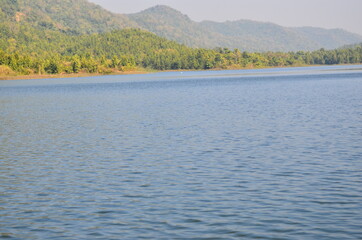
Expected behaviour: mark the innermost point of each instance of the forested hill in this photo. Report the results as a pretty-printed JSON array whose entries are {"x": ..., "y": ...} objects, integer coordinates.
[
  {"x": 70, "y": 16},
  {"x": 52, "y": 44},
  {"x": 272, "y": 37},
  {"x": 52, "y": 52},
  {"x": 77, "y": 17},
  {"x": 172, "y": 24},
  {"x": 329, "y": 39},
  {"x": 243, "y": 34}
]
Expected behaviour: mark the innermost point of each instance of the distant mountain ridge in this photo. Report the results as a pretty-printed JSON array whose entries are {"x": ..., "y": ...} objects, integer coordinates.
[
  {"x": 329, "y": 38},
  {"x": 76, "y": 17},
  {"x": 243, "y": 34},
  {"x": 172, "y": 24}
]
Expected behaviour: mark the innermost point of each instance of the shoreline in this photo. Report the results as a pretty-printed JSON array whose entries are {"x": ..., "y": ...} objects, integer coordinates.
[
  {"x": 66, "y": 75},
  {"x": 140, "y": 71}
]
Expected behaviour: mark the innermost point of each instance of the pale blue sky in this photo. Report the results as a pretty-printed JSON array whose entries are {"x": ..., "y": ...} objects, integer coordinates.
[{"x": 344, "y": 14}]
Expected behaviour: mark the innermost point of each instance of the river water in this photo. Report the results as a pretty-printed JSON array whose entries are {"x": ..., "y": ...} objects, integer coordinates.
[{"x": 248, "y": 154}]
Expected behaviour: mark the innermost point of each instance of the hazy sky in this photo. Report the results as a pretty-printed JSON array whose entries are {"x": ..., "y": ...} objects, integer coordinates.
[{"x": 346, "y": 14}]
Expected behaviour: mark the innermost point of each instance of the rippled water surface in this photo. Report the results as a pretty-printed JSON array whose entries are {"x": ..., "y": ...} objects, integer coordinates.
[{"x": 267, "y": 154}]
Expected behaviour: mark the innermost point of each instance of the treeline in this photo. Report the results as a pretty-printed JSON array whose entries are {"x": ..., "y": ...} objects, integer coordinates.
[{"x": 131, "y": 49}]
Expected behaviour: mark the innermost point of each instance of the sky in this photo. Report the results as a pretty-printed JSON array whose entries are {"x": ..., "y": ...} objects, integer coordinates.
[{"x": 345, "y": 14}]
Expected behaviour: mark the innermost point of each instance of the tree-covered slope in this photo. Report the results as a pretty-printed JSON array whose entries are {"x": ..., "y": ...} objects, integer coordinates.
[
  {"x": 32, "y": 51},
  {"x": 258, "y": 36},
  {"x": 243, "y": 34},
  {"x": 75, "y": 17},
  {"x": 352, "y": 46},
  {"x": 329, "y": 39},
  {"x": 172, "y": 24},
  {"x": 71, "y": 16}
]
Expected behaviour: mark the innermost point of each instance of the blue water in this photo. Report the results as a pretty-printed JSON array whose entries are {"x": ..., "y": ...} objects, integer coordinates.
[{"x": 248, "y": 154}]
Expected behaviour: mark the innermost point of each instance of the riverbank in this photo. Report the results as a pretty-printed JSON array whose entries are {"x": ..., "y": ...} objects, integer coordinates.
[
  {"x": 14, "y": 76},
  {"x": 138, "y": 71},
  {"x": 69, "y": 75}
]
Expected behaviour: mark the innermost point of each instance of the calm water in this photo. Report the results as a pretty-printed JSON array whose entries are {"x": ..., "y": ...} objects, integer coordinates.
[{"x": 257, "y": 154}]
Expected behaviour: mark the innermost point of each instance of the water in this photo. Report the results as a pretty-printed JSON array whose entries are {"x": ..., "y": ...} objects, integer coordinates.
[{"x": 267, "y": 154}]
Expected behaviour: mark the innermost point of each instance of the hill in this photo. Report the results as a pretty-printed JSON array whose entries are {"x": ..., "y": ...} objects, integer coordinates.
[
  {"x": 245, "y": 35},
  {"x": 36, "y": 37},
  {"x": 172, "y": 24},
  {"x": 329, "y": 39},
  {"x": 76, "y": 17},
  {"x": 70, "y": 16},
  {"x": 258, "y": 36}
]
